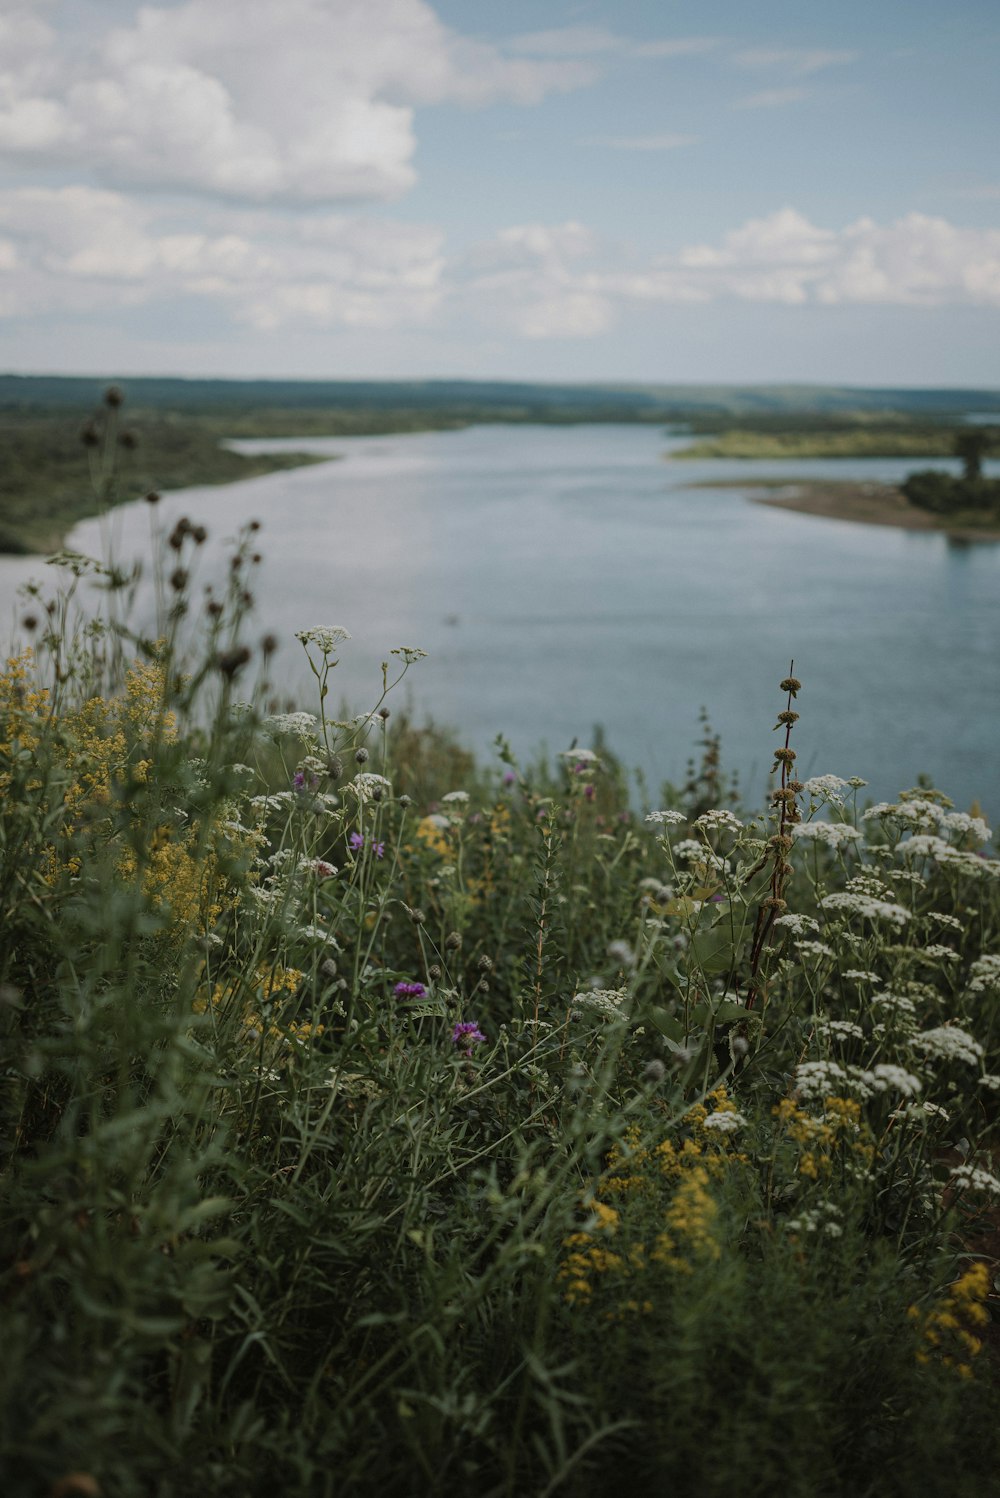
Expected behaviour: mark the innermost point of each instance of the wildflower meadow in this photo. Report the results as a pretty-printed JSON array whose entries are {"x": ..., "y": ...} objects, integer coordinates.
[{"x": 380, "y": 1122}]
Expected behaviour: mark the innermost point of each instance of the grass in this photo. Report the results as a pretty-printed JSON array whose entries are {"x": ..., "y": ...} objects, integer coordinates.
[
  {"x": 857, "y": 441},
  {"x": 376, "y": 1122}
]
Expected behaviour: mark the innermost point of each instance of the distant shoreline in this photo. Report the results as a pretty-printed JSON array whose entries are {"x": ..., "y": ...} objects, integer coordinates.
[{"x": 861, "y": 503}]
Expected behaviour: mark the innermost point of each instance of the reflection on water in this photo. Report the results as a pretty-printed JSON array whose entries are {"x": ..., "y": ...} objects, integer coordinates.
[{"x": 560, "y": 577}]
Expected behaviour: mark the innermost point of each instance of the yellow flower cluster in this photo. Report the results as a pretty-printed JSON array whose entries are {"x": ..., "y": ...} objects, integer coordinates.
[
  {"x": 946, "y": 1329},
  {"x": 839, "y": 1128},
  {"x": 672, "y": 1178}
]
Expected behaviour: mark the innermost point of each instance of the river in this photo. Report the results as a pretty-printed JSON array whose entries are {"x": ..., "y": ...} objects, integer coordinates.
[{"x": 560, "y": 577}]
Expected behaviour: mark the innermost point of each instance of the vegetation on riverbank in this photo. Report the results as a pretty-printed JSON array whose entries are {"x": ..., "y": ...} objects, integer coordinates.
[
  {"x": 379, "y": 1124},
  {"x": 854, "y": 440},
  {"x": 174, "y": 431}
]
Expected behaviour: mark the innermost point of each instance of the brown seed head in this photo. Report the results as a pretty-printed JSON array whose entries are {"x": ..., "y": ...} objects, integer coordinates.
[
  {"x": 791, "y": 684},
  {"x": 114, "y": 396},
  {"x": 453, "y": 941},
  {"x": 231, "y": 661}
]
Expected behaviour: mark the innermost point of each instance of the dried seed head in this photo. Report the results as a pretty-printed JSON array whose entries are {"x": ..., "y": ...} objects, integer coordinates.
[
  {"x": 114, "y": 396},
  {"x": 781, "y": 842},
  {"x": 405, "y": 801},
  {"x": 785, "y": 756},
  {"x": 328, "y": 967},
  {"x": 417, "y": 917},
  {"x": 335, "y": 767},
  {"x": 791, "y": 684},
  {"x": 231, "y": 661},
  {"x": 485, "y": 964},
  {"x": 453, "y": 941},
  {"x": 178, "y": 579},
  {"x": 787, "y": 717},
  {"x": 268, "y": 645},
  {"x": 30, "y": 623},
  {"x": 361, "y": 755},
  {"x": 774, "y": 903},
  {"x": 214, "y": 608},
  {"x": 654, "y": 1072},
  {"x": 434, "y": 972},
  {"x": 152, "y": 498},
  {"x": 128, "y": 439},
  {"x": 199, "y": 535},
  {"x": 90, "y": 435}
]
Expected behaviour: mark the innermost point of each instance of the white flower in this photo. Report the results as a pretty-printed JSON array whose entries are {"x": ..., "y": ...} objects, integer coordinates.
[
  {"x": 725, "y": 1122},
  {"x": 826, "y": 788},
  {"x": 990, "y": 1081},
  {"x": 839, "y": 1029},
  {"x": 581, "y": 756},
  {"x": 672, "y": 818},
  {"x": 813, "y": 948},
  {"x": 949, "y": 1043},
  {"x": 945, "y": 920},
  {"x": 299, "y": 725},
  {"x": 326, "y": 640},
  {"x": 923, "y": 845},
  {"x": 834, "y": 834},
  {"x": 984, "y": 974},
  {"x": 861, "y": 975},
  {"x": 607, "y": 1001},
  {"x": 889, "y": 1078},
  {"x": 866, "y": 907},
  {"x": 367, "y": 785},
  {"x": 797, "y": 924},
  {"x": 719, "y": 817},
  {"x": 936, "y": 950},
  {"x": 458, "y": 797},
  {"x": 966, "y": 825},
  {"x": 623, "y": 951},
  {"x": 820, "y": 1079},
  {"x": 820, "y": 1219},
  {"x": 972, "y": 1178}
]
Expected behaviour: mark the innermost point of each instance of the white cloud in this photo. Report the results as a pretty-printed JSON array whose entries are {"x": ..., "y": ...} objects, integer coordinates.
[
  {"x": 782, "y": 258},
  {"x": 84, "y": 250},
  {"x": 309, "y": 100},
  {"x": 793, "y": 61},
  {"x": 88, "y": 251}
]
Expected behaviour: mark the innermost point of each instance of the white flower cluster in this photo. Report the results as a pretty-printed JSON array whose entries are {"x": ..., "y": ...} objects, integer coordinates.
[
  {"x": 724, "y": 1122},
  {"x": 949, "y": 1043},
  {"x": 607, "y": 1001},
  {"x": 917, "y": 812},
  {"x": 325, "y": 640},
  {"x": 670, "y": 818},
  {"x": 813, "y": 948},
  {"x": 867, "y": 907},
  {"x": 409, "y": 653},
  {"x": 838, "y": 1029},
  {"x": 984, "y": 974},
  {"x": 990, "y": 1081},
  {"x": 826, "y": 788},
  {"x": 298, "y": 725},
  {"x": 719, "y": 817},
  {"x": 862, "y": 975},
  {"x": 821, "y": 1219},
  {"x": 937, "y": 950},
  {"x": 944, "y": 920},
  {"x": 581, "y": 756},
  {"x": 816, "y": 1080},
  {"x": 456, "y": 798},
  {"x": 368, "y": 784},
  {"x": 798, "y": 925},
  {"x": 972, "y": 1178},
  {"x": 835, "y": 835},
  {"x": 965, "y": 825}
]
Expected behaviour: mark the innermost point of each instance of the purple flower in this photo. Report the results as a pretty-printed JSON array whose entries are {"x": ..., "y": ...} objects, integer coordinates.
[
  {"x": 356, "y": 841},
  {"x": 465, "y": 1035},
  {"x": 588, "y": 792},
  {"x": 299, "y": 781},
  {"x": 409, "y": 990},
  {"x": 378, "y": 849},
  {"x": 509, "y": 777}
]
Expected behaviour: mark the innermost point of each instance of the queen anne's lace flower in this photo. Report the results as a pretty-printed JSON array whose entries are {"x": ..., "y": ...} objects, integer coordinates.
[
  {"x": 671, "y": 818},
  {"x": 835, "y": 835},
  {"x": 719, "y": 817},
  {"x": 948, "y": 1043},
  {"x": 725, "y": 1122},
  {"x": 972, "y": 1178},
  {"x": 325, "y": 640},
  {"x": 866, "y": 906}
]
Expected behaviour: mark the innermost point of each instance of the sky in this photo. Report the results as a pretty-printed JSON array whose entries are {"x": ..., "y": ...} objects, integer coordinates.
[{"x": 587, "y": 190}]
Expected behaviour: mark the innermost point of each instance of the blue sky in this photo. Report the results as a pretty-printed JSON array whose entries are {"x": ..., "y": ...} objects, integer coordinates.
[{"x": 560, "y": 189}]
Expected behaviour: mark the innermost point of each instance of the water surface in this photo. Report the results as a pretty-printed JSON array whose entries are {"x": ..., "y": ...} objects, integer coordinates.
[{"x": 565, "y": 576}]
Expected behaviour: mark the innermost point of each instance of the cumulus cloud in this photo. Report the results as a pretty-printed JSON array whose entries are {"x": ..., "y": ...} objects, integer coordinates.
[
  {"x": 557, "y": 281},
  {"x": 85, "y": 249},
  {"x": 309, "y": 100}
]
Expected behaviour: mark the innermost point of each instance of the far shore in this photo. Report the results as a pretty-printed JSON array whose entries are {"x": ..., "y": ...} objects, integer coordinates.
[{"x": 863, "y": 503}]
